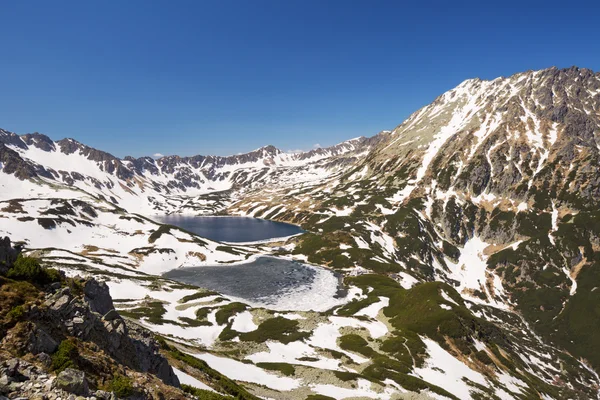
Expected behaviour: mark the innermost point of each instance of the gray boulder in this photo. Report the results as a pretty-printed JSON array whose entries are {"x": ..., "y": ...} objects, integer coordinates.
[{"x": 73, "y": 381}]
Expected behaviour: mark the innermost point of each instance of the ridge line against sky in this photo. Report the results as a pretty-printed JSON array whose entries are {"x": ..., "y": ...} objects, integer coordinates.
[{"x": 220, "y": 78}]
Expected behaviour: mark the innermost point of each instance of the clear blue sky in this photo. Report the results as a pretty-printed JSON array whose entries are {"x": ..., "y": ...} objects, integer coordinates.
[{"x": 223, "y": 77}]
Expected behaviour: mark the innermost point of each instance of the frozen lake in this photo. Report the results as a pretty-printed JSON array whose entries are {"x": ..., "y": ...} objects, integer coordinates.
[{"x": 271, "y": 282}]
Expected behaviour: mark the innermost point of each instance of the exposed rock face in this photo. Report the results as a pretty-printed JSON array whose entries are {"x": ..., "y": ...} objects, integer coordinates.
[
  {"x": 41, "y": 342},
  {"x": 38, "y": 140},
  {"x": 12, "y": 163},
  {"x": 96, "y": 294},
  {"x": 66, "y": 314},
  {"x": 8, "y": 255},
  {"x": 16, "y": 374},
  {"x": 148, "y": 358},
  {"x": 86, "y": 318}
]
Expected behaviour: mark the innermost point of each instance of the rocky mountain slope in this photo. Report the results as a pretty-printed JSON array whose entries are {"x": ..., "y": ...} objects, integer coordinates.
[
  {"x": 63, "y": 336},
  {"x": 468, "y": 236}
]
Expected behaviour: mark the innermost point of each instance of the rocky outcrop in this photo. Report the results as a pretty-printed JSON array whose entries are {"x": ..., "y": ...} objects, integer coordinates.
[
  {"x": 11, "y": 139},
  {"x": 18, "y": 376},
  {"x": 12, "y": 163},
  {"x": 8, "y": 254},
  {"x": 97, "y": 295},
  {"x": 40, "y": 141},
  {"x": 20, "y": 379},
  {"x": 92, "y": 318},
  {"x": 105, "y": 344}
]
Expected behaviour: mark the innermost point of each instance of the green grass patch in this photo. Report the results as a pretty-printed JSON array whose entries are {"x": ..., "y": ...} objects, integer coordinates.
[
  {"x": 29, "y": 269},
  {"x": 229, "y": 310},
  {"x": 279, "y": 329},
  {"x": 318, "y": 397},
  {"x": 284, "y": 368},
  {"x": 356, "y": 305},
  {"x": 196, "y": 296},
  {"x": 356, "y": 344},
  {"x": 66, "y": 356},
  {"x": 152, "y": 311},
  {"x": 121, "y": 386}
]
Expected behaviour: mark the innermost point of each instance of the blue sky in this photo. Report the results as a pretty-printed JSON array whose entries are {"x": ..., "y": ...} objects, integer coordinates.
[{"x": 223, "y": 77}]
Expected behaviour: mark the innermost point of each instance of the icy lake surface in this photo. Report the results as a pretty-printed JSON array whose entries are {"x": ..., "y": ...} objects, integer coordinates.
[
  {"x": 231, "y": 229},
  {"x": 270, "y": 282}
]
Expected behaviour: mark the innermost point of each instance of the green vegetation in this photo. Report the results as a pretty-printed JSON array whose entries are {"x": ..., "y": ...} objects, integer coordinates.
[
  {"x": 346, "y": 376},
  {"x": 194, "y": 322},
  {"x": 319, "y": 397},
  {"x": 325, "y": 249},
  {"x": 227, "y": 333},
  {"x": 356, "y": 344},
  {"x": 152, "y": 311},
  {"x": 13, "y": 296},
  {"x": 227, "y": 311},
  {"x": 16, "y": 314},
  {"x": 65, "y": 356},
  {"x": 355, "y": 306},
  {"x": 202, "y": 313},
  {"x": 534, "y": 275},
  {"x": 29, "y": 269},
  {"x": 198, "y": 295},
  {"x": 309, "y": 359},
  {"x": 280, "y": 329},
  {"x": 121, "y": 386},
  {"x": 412, "y": 313},
  {"x": 230, "y": 250},
  {"x": 203, "y": 394},
  {"x": 284, "y": 368},
  {"x": 163, "y": 343}
]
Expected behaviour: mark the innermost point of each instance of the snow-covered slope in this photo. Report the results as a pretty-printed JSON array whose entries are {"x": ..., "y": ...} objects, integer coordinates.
[{"x": 154, "y": 186}]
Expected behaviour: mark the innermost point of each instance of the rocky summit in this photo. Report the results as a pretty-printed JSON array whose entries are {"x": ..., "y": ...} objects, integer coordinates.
[{"x": 467, "y": 240}]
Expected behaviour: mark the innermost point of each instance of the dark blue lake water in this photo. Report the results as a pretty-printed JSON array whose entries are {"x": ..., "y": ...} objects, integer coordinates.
[{"x": 231, "y": 229}]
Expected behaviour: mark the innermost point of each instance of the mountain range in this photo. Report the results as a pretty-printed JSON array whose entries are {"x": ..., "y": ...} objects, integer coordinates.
[{"x": 471, "y": 230}]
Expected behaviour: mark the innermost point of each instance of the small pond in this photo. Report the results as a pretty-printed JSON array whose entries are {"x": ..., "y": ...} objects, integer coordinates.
[{"x": 231, "y": 229}]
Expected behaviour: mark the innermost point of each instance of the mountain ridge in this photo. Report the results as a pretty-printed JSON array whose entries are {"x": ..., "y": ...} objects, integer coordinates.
[{"x": 69, "y": 145}]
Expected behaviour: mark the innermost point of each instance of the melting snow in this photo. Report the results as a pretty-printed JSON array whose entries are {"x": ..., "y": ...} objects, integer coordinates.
[
  {"x": 243, "y": 322},
  {"x": 186, "y": 379},
  {"x": 248, "y": 373},
  {"x": 373, "y": 309},
  {"x": 445, "y": 371}
]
